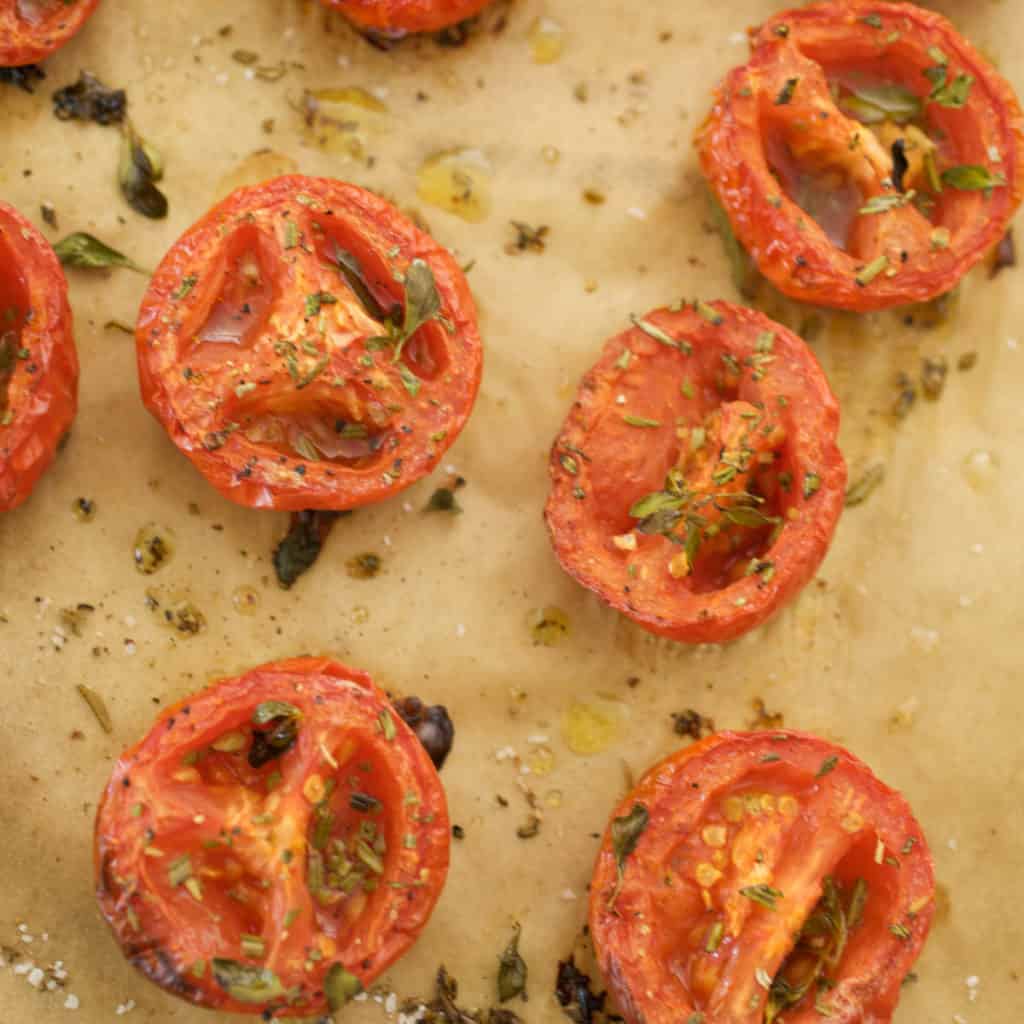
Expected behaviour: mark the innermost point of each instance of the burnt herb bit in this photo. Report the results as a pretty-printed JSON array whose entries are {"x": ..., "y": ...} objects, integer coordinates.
[
  {"x": 270, "y": 744},
  {"x": 575, "y": 995},
  {"x": 432, "y": 724},
  {"x": 315, "y": 301},
  {"x": 528, "y": 239},
  {"x": 138, "y": 171},
  {"x": 691, "y": 723},
  {"x": 862, "y": 489},
  {"x": 364, "y": 566},
  {"x": 23, "y": 77},
  {"x": 246, "y": 982},
  {"x": 86, "y": 252},
  {"x": 340, "y": 986},
  {"x": 512, "y": 970},
  {"x": 906, "y": 397},
  {"x": 443, "y": 500},
  {"x": 301, "y": 546},
  {"x": 827, "y": 766},
  {"x": 786, "y": 93},
  {"x": 933, "y": 376},
  {"x": 530, "y": 829},
  {"x": 89, "y": 99},
  {"x": 1005, "y": 254}
]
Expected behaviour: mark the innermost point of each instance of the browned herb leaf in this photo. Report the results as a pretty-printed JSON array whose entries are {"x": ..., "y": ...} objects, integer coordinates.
[
  {"x": 527, "y": 238},
  {"x": 512, "y": 971},
  {"x": 862, "y": 489},
  {"x": 139, "y": 169},
  {"x": 691, "y": 723},
  {"x": 301, "y": 546}
]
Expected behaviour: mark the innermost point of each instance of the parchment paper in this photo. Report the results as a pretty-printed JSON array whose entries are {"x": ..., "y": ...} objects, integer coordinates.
[{"x": 906, "y": 647}]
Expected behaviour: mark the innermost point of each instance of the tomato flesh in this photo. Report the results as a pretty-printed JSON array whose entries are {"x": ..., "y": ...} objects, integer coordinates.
[
  {"x": 697, "y": 482},
  {"x": 32, "y": 29},
  {"x": 775, "y": 877},
  {"x": 270, "y": 834},
  {"x": 399, "y": 17},
  {"x": 307, "y": 347},
  {"x": 866, "y": 156},
  {"x": 38, "y": 363}
]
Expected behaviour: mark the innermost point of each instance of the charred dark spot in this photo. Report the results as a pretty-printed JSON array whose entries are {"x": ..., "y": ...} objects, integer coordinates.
[
  {"x": 23, "y": 77},
  {"x": 89, "y": 99},
  {"x": 157, "y": 965},
  {"x": 274, "y": 742},
  {"x": 432, "y": 725},
  {"x": 574, "y": 994},
  {"x": 900, "y": 164}
]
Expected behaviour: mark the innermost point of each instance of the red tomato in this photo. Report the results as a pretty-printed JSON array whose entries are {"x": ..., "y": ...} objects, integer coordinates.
[
  {"x": 867, "y": 155},
  {"x": 38, "y": 364},
  {"x": 398, "y": 17},
  {"x": 697, "y": 482},
  {"x": 284, "y": 355},
  {"x": 32, "y": 29},
  {"x": 759, "y": 874},
  {"x": 274, "y": 842}
]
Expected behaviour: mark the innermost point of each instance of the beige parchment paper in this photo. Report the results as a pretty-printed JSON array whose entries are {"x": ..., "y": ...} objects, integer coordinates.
[{"x": 906, "y": 647}]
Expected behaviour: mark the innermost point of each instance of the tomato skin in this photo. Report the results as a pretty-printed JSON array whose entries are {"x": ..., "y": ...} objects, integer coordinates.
[
  {"x": 622, "y": 463},
  {"x": 164, "y": 931},
  {"x": 791, "y": 249},
  {"x": 25, "y": 42},
  {"x": 42, "y": 392},
  {"x": 192, "y": 387},
  {"x": 407, "y": 16},
  {"x": 635, "y": 934}
]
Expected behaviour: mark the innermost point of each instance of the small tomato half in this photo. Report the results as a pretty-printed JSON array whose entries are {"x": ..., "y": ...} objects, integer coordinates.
[
  {"x": 866, "y": 155},
  {"x": 274, "y": 842},
  {"x": 308, "y": 347},
  {"x": 400, "y": 17},
  {"x": 38, "y": 363},
  {"x": 32, "y": 29},
  {"x": 697, "y": 481},
  {"x": 756, "y": 877}
]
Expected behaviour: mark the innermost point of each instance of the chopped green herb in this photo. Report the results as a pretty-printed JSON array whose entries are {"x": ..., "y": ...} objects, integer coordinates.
[
  {"x": 827, "y": 766},
  {"x": 868, "y": 273},
  {"x": 640, "y": 421},
  {"x": 246, "y": 983},
  {"x": 512, "y": 970},
  {"x": 340, "y": 987},
  {"x": 763, "y": 894},
  {"x": 88, "y": 253},
  {"x": 786, "y": 93},
  {"x": 862, "y": 489},
  {"x": 187, "y": 284},
  {"x": 972, "y": 178}
]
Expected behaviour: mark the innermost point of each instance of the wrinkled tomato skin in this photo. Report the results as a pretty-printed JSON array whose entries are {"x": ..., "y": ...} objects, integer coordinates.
[
  {"x": 393, "y": 17},
  {"x": 165, "y": 932},
  {"x": 42, "y": 391},
  {"x": 790, "y": 249},
  {"x": 23, "y": 41},
  {"x": 621, "y": 463},
  {"x": 192, "y": 387},
  {"x": 636, "y": 934}
]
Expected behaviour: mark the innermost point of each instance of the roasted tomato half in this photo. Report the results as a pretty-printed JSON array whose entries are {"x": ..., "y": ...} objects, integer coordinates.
[
  {"x": 307, "y": 347},
  {"x": 760, "y": 877},
  {"x": 401, "y": 17},
  {"x": 866, "y": 156},
  {"x": 32, "y": 29},
  {"x": 38, "y": 364},
  {"x": 274, "y": 842},
  {"x": 697, "y": 482}
]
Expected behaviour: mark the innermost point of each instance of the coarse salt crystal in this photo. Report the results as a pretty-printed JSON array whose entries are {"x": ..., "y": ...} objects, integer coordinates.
[
  {"x": 505, "y": 754},
  {"x": 636, "y": 213},
  {"x": 537, "y": 737},
  {"x": 221, "y": 79},
  {"x": 406, "y": 506},
  {"x": 1011, "y": 344},
  {"x": 738, "y": 38},
  {"x": 35, "y": 977},
  {"x": 71, "y": 1003},
  {"x": 23, "y": 968},
  {"x": 391, "y": 1003},
  {"x": 620, "y": 399},
  {"x": 953, "y": 844},
  {"x": 460, "y": 630},
  {"x": 568, "y": 894},
  {"x": 125, "y": 1007}
]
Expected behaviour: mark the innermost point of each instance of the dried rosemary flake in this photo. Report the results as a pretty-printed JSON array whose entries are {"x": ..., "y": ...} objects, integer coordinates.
[{"x": 96, "y": 706}]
